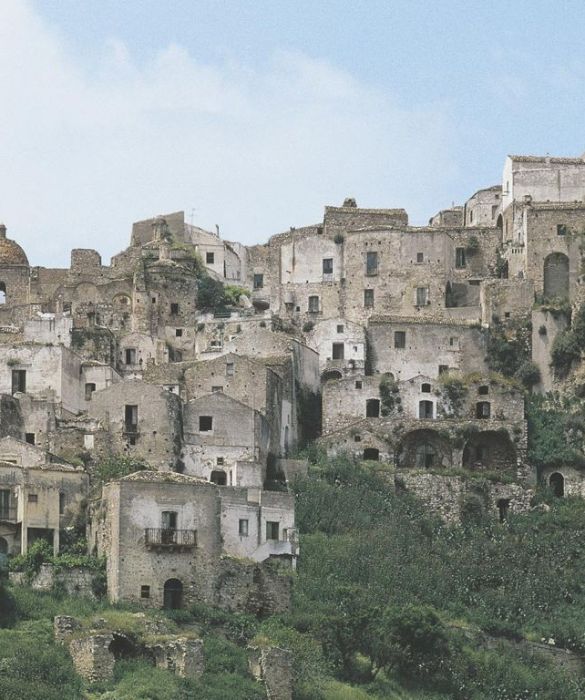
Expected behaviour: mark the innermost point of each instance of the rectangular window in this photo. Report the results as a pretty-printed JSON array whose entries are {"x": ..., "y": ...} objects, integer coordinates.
[
  {"x": 243, "y": 527},
  {"x": 422, "y": 296},
  {"x": 205, "y": 424},
  {"x": 400, "y": 339},
  {"x": 229, "y": 369},
  {"x": 216, "y": 388},
  {"x": 88, "y": 442},
  {"x": 371, "y": 263},
  {"x": 313, "y": 305},
  {"x": 358, "y": 384},
  {"x": 443, "y": 369},
  {"x": 145, "y": 591},
  {"x": 272, "y": 529},
  {"x": 4, "y": 504},
  {"x": 130, "y": 356},
  {"x": 340, "y": 329},
  {"x": 337, "y": 351},
  {"x": 460, "y": 261},
  {"x": 18, "y": 380},
  {"x": 131, "y": 418},
  {"x": 561, "y": 229},
  {"x": 494, "y": 210},
  {"x": 210, "y": 258},
  {"x": 327, "y": 266},
  {"x": 169, "y": 520},
  {"x": 30, "y": 438},
  {"x": 369, "y": 298},
  {"x": 174, "y": 308},
  {"x": 420, "y": 257},
  {"x": 220, "y": 461},
  {"x": 178, "y": 332},
  {"x": 89, "y": 389},
  {"x": 61, "y": 503},
  {"x": 33, "y": 498},
  {"x": 258, "y": 281}
]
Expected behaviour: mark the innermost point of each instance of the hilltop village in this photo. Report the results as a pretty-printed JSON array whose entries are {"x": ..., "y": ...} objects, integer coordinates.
[{"x": 204, "y": 367}]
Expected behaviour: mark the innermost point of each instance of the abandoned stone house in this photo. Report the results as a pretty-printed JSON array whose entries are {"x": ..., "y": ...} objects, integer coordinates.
[{"x": 361, "y": 331}]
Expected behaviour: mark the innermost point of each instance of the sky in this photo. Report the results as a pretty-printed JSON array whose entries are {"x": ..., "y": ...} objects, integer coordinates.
[{"x": 254, "y": 114}]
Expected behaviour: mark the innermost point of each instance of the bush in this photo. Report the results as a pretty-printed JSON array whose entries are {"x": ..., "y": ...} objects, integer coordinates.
[
  {"x": 565, "y": 350},
  {"x": 528, "y": 373}
]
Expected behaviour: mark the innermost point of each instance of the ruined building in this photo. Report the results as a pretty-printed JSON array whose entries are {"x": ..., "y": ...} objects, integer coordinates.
[{"x": 204, "y": 366}]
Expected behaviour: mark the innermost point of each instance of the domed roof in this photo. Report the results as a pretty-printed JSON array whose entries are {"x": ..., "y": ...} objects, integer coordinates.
[{"x": 10, "y": 252}]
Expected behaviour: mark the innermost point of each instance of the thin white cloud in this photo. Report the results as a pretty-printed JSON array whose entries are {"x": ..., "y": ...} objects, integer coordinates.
[{"x": 82, "y": 154}]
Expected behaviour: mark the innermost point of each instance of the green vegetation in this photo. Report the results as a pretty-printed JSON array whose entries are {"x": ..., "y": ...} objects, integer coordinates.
[
  {"x": 508, "y": 346},
  {"x": 397, "y": 599},
  {"x": 389, "y": 395},
  {"x": 568, "y": 345},
  {"x": 389, "y": 602},
  {"x": 556, "y": 431}
]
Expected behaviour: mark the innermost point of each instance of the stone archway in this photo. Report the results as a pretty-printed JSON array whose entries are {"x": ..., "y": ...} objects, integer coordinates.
[
  {"x": 556, "y": 276},
  {"x": 424, "y": 449}
]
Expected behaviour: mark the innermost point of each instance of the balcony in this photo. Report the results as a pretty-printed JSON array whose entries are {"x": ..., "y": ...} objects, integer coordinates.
[{"x": 169, "y": 539}]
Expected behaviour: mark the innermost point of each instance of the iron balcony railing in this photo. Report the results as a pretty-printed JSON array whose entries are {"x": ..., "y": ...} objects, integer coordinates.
[{"x": 167, "y": 537}]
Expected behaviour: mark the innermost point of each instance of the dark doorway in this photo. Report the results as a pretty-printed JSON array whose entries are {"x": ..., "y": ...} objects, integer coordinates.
[
  {"x": 503, "y": 508},
  {"x": 373, "y": 408},
  {"x": 219, "y": 477},
  {"x": 557, "y": 484},
  {"x": 173, "y": 594},
  {"x": 371, "y": 453}
]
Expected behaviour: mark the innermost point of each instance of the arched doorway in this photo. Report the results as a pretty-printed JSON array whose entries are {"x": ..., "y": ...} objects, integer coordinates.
[
  {"x": 173, "y": 594},
  {"x": 331, "y": 374},
  {"x": 556, "y": 276},
  {"x": 489, "y": 449},
  {"x": 424, "y": 449},
  {"x": 557, "y": 484}
]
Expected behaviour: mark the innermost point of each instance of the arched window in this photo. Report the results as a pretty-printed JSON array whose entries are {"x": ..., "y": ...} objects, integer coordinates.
[
  {"x": 557, "y": 484},
  {"x": 373, "y": 408}
]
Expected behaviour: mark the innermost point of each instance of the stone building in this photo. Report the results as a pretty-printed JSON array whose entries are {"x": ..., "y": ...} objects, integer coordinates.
[
  {"x": 361, "y": 330},
  {"x": 39, "y": 495},
  {"x": 174, "y": 540}
]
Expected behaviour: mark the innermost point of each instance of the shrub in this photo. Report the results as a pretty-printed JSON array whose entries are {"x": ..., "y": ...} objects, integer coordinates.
[
  {"x": 528, "y": 373},
  {"x": 308, "y": 326},
  {"x": 565, "y": 350}
]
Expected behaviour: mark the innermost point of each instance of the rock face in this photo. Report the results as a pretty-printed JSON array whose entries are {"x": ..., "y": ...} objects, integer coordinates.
[
  {"x": 182, "y": 656},
  {"x": 273, "y": 666},
  {"x": 92, "y": 657}
]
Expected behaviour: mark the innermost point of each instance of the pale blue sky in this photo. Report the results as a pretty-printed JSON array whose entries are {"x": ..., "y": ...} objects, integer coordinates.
[{"x": 257, "y": 114}]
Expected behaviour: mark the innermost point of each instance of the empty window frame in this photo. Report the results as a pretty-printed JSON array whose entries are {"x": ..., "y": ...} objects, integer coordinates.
[
  {"x": 369, "y": 298},
  {"x": 258, "y": 280},
  {"x": 174, "y": 308},
  {"x": 18, "y": 380},
  {"x": 131, "y": 417},
  {"x": 313, "y": 304},
  {"x": 371, "y": 263},
  {"x": 145, "y": 591},
  {"x": 89, "y": 389},
  {"x": 272, "y": 530},
  {"x": 562, "y": 229},
  {"x": 373, "y": 408},
  {"x": 425, "y": 410},
  {"x": 327, "y": 266},
  {"x": 337, "y": 351},
  {"x": 420, "y": 257},
  {"x": 30, "y": 438},
  {"x": 399, "y": 340},
  {"x": 243, "y": 527},
  {"x": 130, "y": 356},
  {"x": 482, "y": 409},
  {"x": 209, "y": 258},
  {"x": 205, "y": 424},
  {"x": 460, "y": 260},
  {"x": 422, "y": 296}
]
